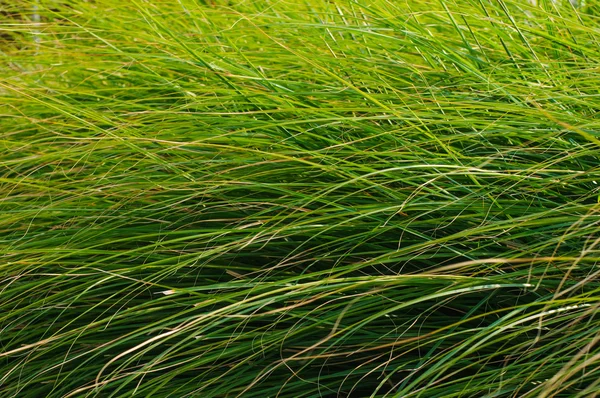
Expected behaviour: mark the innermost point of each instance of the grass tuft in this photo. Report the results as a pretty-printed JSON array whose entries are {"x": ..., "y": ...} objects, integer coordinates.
[{"x": 299, "y": 199}]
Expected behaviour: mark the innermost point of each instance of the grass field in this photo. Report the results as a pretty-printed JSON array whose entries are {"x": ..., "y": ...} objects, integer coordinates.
[{"x": 302, "y": 198}]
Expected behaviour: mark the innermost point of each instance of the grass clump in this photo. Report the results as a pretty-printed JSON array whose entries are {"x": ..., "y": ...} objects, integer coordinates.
[{"x": 299, "y": 199}]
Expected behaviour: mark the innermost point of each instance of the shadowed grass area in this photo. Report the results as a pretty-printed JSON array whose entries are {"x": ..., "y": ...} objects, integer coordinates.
[{"x": 299, "y": 199}]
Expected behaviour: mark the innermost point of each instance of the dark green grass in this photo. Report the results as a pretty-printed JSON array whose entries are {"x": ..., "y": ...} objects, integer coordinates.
[{"x": 299, "y": 199}]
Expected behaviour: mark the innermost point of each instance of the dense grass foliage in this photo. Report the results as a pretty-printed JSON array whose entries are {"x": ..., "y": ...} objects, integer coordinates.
[{"x": 299, "y": 198}]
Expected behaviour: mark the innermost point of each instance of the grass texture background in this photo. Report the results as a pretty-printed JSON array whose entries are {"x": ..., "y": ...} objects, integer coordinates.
[{"x": 356, "y": 198}]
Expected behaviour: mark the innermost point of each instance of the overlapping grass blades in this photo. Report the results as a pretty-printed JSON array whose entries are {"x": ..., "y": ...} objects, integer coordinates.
[{"x": 299, "y": 199}]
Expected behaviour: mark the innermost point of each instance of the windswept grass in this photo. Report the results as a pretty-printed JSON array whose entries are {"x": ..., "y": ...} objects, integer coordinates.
[{"x": 299, "y": 199}]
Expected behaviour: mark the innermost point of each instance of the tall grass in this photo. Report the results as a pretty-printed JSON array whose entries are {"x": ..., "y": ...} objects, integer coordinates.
[{"x": 299, "y": 199}]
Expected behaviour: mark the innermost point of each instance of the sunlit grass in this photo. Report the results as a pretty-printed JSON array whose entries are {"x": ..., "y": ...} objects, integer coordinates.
[{"x": 299, "y": 199}]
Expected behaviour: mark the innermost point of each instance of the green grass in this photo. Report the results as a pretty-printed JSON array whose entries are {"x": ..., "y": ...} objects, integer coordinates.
[{"x": 299, "y": 199}]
